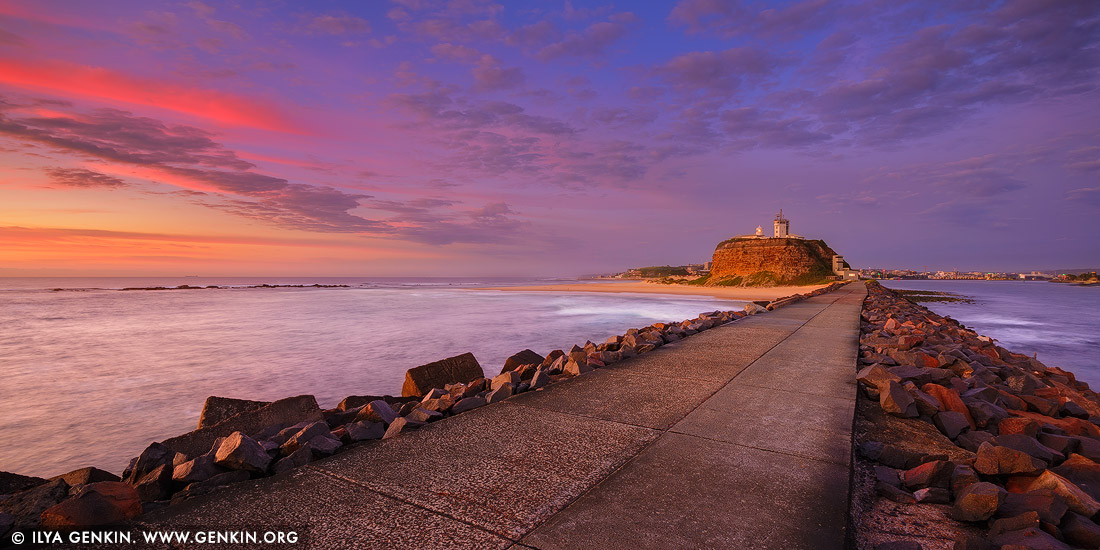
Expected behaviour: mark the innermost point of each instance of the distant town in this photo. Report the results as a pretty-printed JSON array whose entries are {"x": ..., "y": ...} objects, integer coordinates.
[{"x": 697, "y": 270}]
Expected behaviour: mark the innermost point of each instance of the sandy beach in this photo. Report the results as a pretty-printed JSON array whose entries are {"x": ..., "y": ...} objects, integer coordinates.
[{"x": 640, "y": 287}]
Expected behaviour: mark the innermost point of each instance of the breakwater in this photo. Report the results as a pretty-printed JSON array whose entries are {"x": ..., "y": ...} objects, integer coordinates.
[
  {"x": 961, "y": 443},
  {"x": 239, "y": 440}
]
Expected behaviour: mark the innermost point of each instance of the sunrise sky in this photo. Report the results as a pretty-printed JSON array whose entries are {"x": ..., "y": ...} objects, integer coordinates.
[{"x": 464, "y": 137}]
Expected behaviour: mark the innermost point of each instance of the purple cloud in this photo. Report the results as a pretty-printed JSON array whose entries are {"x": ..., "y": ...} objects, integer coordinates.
[{"x": 80, "y": 177}]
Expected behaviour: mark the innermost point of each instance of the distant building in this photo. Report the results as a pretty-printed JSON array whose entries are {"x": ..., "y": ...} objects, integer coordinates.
[
  {"x": 781, "y": 230},
  {"x": 840, "y": 269}
]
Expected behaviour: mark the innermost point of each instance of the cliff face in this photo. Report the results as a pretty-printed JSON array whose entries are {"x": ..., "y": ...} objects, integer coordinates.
[{"x": 761, "y": 262}]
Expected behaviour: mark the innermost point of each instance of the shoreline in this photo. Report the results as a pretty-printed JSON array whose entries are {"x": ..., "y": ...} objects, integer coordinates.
[{"x": 744, "y": 294}]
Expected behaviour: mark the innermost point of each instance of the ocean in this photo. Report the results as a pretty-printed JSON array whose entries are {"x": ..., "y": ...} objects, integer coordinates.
[
  {"x": 93, "y": 374},
  {"x": 1056, "y": 322}
]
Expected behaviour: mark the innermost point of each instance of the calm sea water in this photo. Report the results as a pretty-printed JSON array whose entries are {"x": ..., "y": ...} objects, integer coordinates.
[
  {"x": 1058, "y": 323},
  {"x": 91, "y": 375}
]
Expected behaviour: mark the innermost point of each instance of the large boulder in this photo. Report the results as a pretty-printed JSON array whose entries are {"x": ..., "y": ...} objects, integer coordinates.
[
  {"x": 240, "y": 452},
  {"x": 525, "y": 357},
  {"x": 84, "y": 476},
  {"x": 13, "y": 483},
  {"x": 99, "y": 503},
  {"x": 217, "y": 409},
  {"x": 288, "y": 411},
  {"x": 376, "y": 411},
  {"x": 27, "y": 506},
  {"x": 977, "y": 502},
  {"x": 458, "y": 369},
  {"x": 1076, "y": 499},
  {"x": 997, "y": 460}
]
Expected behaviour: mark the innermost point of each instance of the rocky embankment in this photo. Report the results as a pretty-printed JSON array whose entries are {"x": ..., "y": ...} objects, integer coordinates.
[
  {"x": 960, "y": 443},
  {"x": 237, "y": 440}
]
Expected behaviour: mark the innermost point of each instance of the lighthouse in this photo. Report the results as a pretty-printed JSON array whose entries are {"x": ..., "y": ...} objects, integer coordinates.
[{"x": 782, "y": 226}]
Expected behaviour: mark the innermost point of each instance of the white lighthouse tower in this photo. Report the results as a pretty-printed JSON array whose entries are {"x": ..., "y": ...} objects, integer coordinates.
[{"x": 782, "y": 226}]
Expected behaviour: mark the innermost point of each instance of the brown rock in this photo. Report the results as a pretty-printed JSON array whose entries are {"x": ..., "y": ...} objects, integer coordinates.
[
  {"x": 933, "y": 495},
  {"x": 98, "y": 503},
  {"x": 1017, "y": 425},
  {"x": 1014, "y": 523},
  {"x": 376, "y": 411},
  {"x": 468, "y": 404},
  {"x": 996, "y": 460},
  {"x": 361, "y": 431},
  {"x": 460, "y": 368},
  {"x": 876, "y": 375},
  {"x": 1076, "y": 499},
  {"x": 978, "y": 502},
  {"x": 1080, "y": 531},
  {"x": 352, "y": 402},
  {"x": 936, "y": 473},
  {"x": 400, "y": 425},
  {"x": 963, "y": 476},
  {"x": 951, "y": 423},
  {"x": 240, "y": 452},
  {"x": 525, "y": 357},
  {"x": 301, "y": 457},
  {"x": 84, "y": 476},
  {"x": 155, "y": 485},
  {"x": 200, "y": 468},
  {"x": 290, "y": 410},
  {"x": 217, "y": 409},
  {"x": 896, "y": 401},
  {"x": 27, "y": 506},
  {"x": 1029, "y": 445},
  {"x": 950, "y": 401}
]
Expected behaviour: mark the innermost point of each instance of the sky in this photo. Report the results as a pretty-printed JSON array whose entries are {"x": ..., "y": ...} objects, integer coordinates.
[{"x": 474, "y": 138}]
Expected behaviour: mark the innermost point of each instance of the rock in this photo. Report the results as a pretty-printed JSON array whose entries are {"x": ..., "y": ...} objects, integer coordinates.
[
  {"x": 1069, "y": 408},
  {"x": 1039, "y": 405},
  {"x": 402, "y": 424},
  {"x": 240, "y": 452},
  {"x": 983, "y": 413},
  {"x": 1058, "y": 443},
  {"x": 423, "y": 415},
  {"x": 753, "y": 308},
  {"x": 930, "y": 474},
  {"x": 440, "y": 405},
  {"x": 963, "y": 476},
  {"x": 1088, "y": 448},
  {"x": 950, "y": 401},
  {"x": 1014, "y": 523},
  {"x": 876, "y": 375},
  {"x": 951, "y": 423},
  {"x": 27, "y": 506},
  {"x": 551, "y": 357},
  {"x": 323, "y": 445},
  {"x": 888, "y": 475},
  {"x": 890, "y": 455},
  {"x": 13, "y": 483},
  {"x": 1080, "y": 531},
  {"x": 292, "y": 410},
  {"x": 300, "y": 438},
  {"x": 154, "y": 455},
  {"x": 1031, "y": 539},
  {"x": 540, "y": 379},
  {"x": 1049, "y": 506},
  {"x": 155, "y": 485},
  {"x": 210, "y": 485},
  {"x": 1017, "y": 425},
  {"x": 97, "y": 503},
  {"x": 460, "y": 368},
  {"x": 644, "y": 348},
  {"x": 995, "y": 460},
  {"x": 376, "y": 411},
  {"x": 1029, "y": 445},
  {"x": 84, "y": 476},
  {"x": 467, "y": 404},
  {"x": 1076, "y": 499},
  {"x": 218, "y": 409},
  {"x": 362, "y": 431},
  {"x": 353, "y": 402},
  {"x": 973, "y": 439},
  {"x": 499, "y": 394},
  {"x": 525, "y": 357},
  {"x": 201, "y": 468},
  {"x": 896, "y": 401},
  {"x": 7, "y": 521},
  {"x": 926, "y": 404},
  {"x": 895, "y": 494},
  {"x": 301, "y": 457},
  {"x": 933, "y": 495},
  {"x": 573, "y": 368},
  {"x": 978, "y": 502},
  {"x": 509, "y": 378}
]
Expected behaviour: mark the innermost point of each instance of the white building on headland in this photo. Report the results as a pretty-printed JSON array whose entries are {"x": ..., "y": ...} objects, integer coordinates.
[{"x": 782, "y": 230}]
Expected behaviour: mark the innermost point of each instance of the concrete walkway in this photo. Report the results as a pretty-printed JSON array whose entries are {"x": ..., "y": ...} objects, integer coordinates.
[{"x": 737, "y": 437}]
